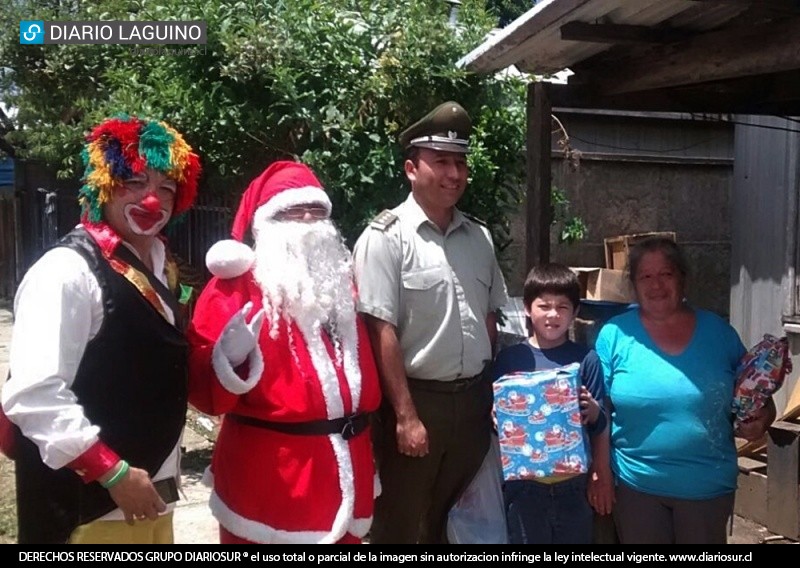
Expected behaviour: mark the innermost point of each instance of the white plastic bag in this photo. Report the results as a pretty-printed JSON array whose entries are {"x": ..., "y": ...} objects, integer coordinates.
[{"x": 479, "y": 515}]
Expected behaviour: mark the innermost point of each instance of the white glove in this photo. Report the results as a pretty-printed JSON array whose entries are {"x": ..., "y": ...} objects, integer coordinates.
[{"x": 238, "y": 337}]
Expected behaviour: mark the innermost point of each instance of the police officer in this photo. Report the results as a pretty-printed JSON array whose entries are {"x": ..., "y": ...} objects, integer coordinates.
[{"x": 429, "y": 284}]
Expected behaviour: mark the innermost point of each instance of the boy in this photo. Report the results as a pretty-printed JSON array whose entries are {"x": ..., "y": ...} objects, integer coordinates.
[{"x": 555, "y": 510}]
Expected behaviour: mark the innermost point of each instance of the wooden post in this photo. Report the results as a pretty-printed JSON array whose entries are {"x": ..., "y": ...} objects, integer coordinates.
[{"x": 538, "y": 210}]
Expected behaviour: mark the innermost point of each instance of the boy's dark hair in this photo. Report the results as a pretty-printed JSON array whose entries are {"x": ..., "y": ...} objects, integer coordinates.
[{"x": 551, "y": 278}]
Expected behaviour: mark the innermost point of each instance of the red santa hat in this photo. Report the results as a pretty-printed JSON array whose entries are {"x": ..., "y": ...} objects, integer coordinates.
[{"x": 282, "y": 185}]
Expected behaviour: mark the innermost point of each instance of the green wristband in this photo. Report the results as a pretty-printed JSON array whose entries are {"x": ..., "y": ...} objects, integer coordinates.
[{"x": 117, "y": 477}]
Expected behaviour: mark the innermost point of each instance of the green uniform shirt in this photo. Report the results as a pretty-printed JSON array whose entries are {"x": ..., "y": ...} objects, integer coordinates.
[{"x": 435, "y": 288}]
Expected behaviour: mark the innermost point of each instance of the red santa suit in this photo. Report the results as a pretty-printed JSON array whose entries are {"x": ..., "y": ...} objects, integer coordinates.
[{"x": 270, "y": 485}]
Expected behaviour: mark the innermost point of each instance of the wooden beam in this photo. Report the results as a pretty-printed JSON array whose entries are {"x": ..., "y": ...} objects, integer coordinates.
[
  {"x": 508, "y": 46},
  {"x": 713, "y": 56},
  {"x": 620, "y": 33},
  {"x": 786, "y": 6},
  {"x": 777, "y": 93},
  {"x": 649, "y": 158},
  {"x": 538, "y": 211}
]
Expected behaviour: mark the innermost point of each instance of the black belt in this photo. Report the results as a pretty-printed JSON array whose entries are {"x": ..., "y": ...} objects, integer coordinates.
[
  {"x": 458, "y": 385},
  {"x": 347, "y": 426}
]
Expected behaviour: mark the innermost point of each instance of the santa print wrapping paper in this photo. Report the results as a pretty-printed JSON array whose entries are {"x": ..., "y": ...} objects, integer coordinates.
[
  {"x": 539, "y": 423},
  {"x": 760, "y": 374}
]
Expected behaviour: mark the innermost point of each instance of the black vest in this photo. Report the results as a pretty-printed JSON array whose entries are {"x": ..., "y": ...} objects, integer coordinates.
[{"x": 131, "y": 382}]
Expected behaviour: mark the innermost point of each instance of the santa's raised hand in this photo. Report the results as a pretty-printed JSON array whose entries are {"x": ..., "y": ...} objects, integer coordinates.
[
  {"x": 238, "y": 337},
  {"x": 238, "y": 343}
]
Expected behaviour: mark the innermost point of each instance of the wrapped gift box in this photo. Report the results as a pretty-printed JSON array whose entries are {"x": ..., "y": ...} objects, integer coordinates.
[
  {"x": 761, "y": 373},
  {"x": 539, "y": 423}
]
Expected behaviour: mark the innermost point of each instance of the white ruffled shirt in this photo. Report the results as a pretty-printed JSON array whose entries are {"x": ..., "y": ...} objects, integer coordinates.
[{"x": 58, "y": 309}]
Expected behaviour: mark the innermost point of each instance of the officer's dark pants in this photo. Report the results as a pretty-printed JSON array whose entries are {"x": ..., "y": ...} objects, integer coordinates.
[{"x": 418, "y": 492}]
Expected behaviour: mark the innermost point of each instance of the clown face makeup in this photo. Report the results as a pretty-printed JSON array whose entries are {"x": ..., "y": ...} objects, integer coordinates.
[{"x": 142, "y": 206}]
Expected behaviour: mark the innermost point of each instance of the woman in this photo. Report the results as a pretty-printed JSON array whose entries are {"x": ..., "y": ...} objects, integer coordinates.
[{"x": 670, "y": 373}]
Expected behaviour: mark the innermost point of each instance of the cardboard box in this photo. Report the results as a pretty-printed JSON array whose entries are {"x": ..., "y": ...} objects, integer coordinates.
[
  {"x": 539, "y": 423},
  {"x": 604, "y": 284},
  {"x": 618, "y": 248}
]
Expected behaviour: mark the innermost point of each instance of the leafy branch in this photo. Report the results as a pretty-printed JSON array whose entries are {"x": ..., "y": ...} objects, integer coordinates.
[{"x": 572, "y": 227}]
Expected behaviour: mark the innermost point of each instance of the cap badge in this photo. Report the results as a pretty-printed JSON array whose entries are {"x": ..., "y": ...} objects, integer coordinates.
[{"x": 452, "y": 134}]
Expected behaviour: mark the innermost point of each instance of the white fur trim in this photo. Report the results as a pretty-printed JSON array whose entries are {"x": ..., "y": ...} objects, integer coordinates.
[
  {"x": 360, "y": 527},
  {"x": 334, "y": 406},
  {"x": 229, "y": 258},
  {"x": 227, "y": 376},
  {"x": 350, "y": 362},
  {"x": 290, "y": 197},
  {"x": 377, "y": 488},
  {"x": 255, "y": 531},
  {"x": 326, "y": 372},
  {"x": 344, "y": 515},
  {"x": 262, "y": 533}
]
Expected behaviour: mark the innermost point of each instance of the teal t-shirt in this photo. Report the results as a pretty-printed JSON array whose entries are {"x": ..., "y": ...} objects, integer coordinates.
[{"x": 671, "y": 428}]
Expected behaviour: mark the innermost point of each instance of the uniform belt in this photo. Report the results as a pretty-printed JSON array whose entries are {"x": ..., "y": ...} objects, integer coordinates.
[
  {"x": 347, "y": 426},
  {"x": 458, "y": 385}
]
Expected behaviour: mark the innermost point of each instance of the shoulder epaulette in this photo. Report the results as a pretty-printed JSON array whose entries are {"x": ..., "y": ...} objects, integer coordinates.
[
  {"x": 383, "y": 220},
  {"x": 475, "y": 219}
]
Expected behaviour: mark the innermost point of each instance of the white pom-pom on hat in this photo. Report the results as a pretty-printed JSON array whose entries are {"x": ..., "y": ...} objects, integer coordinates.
[{"x": 229, "y": 258}]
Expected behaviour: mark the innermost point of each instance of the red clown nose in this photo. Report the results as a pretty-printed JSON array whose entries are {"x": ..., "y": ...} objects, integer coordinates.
[{"x": 151, "y": 203}]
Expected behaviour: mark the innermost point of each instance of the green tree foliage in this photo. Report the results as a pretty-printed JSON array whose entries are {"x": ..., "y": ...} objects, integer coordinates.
[
  {"x": 330, "y": 82},
  {"x": 509, "y": 10}
]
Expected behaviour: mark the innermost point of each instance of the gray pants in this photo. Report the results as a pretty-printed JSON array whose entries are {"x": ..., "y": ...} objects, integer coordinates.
[
  {"x": 642, "y": 518},
  {"x": 417, "y": 493}
]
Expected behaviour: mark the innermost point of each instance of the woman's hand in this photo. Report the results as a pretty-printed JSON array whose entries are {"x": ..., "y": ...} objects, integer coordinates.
[
  {"x": 756, "y": 427},
  {"x": 600, "y": 491},
  {"x": 590, "y": 409}
]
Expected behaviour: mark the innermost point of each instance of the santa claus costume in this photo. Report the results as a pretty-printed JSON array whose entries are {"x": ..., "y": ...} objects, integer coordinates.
[{"x": 293, "y": 461}]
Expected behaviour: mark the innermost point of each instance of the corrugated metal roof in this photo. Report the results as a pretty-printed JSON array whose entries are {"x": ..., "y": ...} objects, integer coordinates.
[{"x": 533, "y": 41}]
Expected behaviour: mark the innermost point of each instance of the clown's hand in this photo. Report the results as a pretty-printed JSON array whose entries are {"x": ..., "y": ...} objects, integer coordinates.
[{"x": 239, "y": 338}]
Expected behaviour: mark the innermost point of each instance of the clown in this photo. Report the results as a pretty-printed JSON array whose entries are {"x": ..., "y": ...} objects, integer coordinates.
[
  {"x": 277, "y": 346},
  {"x": 98, "y": 356}
]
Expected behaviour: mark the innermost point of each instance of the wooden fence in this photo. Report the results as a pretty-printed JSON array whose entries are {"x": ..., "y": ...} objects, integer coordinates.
[
  {"x": 30, "y": 222},
  {"x": 8, "y": 248}
]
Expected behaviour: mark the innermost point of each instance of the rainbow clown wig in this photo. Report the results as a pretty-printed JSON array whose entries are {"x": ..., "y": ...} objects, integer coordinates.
[{"x": 120, "y": 147}]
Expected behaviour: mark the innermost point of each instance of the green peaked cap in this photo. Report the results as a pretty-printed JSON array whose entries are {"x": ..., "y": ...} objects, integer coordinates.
[{"x": 446, "y": 128}]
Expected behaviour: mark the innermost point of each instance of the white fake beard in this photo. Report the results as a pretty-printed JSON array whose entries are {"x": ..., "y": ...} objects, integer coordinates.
[{"x": 305, "y": 272}]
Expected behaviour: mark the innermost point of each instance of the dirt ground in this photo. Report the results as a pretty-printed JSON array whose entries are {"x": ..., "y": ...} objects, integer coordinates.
[{"x": 8, "y": 507}]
